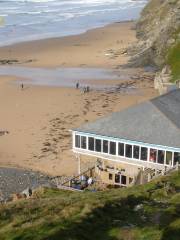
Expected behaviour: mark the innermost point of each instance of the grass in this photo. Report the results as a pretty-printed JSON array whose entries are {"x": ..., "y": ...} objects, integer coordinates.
[
  {"x": 108, "y": 215},
  {"x": 174, "y": 61},
  {"x": 1, "y": 21}
]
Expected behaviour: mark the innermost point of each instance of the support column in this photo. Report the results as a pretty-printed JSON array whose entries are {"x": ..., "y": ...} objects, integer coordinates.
[
  {"x": 142, "y": 175},
  {"x": 149, "y": 177},
  {"x": 172, "y": 159},
  {"x": 79, "y": 163}
]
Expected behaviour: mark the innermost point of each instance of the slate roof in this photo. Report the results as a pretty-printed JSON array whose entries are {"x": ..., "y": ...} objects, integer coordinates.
[{"x": 155, "y": 122}]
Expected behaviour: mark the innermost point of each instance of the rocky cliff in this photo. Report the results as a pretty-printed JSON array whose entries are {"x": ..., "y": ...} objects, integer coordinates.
[{"x": 158, "y": 33}]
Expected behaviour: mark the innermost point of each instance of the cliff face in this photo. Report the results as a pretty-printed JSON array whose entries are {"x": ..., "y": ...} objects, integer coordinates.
[{"x": 158, "y": 32}]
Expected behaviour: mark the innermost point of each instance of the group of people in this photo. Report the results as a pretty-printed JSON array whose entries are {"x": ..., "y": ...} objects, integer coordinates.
[
  {"x": 85, "y": 89},
  {"x": 88, "y": 180},
  {"x": 82, "y": 183}
]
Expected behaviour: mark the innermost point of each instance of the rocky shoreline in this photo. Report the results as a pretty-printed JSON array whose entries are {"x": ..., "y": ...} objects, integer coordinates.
[{"x": 15, "y": 180}]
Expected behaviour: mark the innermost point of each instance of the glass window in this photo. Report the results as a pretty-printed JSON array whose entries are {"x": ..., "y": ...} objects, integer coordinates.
[
  {"x": 121, "y": 149},
  {"x": 105, "y": 146},
  {"x": 98, "y": 145},
  {"x": 117, "y": 178},
  {"x": 168, "y": 158},
  {"x": 83, "y": 142},
  {"x": 136, "y": 152},
  {"x": 91, "y": 143},
  {"x": 128, "y": 151},
  {"x": 160, "y": 156},
  {"x": 110, "y": 176},
  {"x": 123, "y": 179},
  {"x": 113, "y": 148},
  {"x": 176, "y": 158},
  {"x": 144, "y": 152},
  {"x": 77, "y": 141},
  {"x": 153, "y": 155}
]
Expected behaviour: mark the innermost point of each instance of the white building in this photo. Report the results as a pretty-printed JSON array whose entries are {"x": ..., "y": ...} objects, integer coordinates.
[{"x": 145, "y": 136}]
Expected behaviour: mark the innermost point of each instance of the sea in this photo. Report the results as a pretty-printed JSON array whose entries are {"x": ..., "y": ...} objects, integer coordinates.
[{"x": 26, "y": 20}]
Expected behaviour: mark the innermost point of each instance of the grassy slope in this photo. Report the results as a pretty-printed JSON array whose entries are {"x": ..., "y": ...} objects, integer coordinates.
[
  {"x": 174, "y": 61},
  {"x": 160, "y": 21},
  {"x": 106, "y": 215}
]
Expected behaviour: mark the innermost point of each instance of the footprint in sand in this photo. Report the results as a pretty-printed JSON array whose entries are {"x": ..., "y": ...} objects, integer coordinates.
[{"x": 47, "y": 144}]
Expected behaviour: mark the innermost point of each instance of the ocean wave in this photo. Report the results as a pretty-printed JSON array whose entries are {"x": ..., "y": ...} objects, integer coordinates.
[
  {"x": 75, "y": 6},
  {"x": 75, "y": 1},
  {"x": 43, "y": 18}
]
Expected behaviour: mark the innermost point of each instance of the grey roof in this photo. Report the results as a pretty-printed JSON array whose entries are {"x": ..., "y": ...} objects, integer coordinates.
[
  {"x": 169, "y": 105},
  {"x": 155, "y": 122}
]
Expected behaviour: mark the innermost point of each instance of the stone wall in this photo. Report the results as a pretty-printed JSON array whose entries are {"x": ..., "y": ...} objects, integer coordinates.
[
  {"x": 158, "y": 29},
  {"x": 162, "y": 81}
]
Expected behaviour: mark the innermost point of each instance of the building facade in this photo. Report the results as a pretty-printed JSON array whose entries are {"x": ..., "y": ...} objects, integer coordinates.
[{"x": 145, "y": 136}]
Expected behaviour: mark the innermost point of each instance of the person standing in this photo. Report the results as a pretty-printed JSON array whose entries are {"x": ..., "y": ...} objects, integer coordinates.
[
  {"x": 87, "y": 89},
  {"x": 77, "y": 85},
  {"x": 89, "y": 181}
]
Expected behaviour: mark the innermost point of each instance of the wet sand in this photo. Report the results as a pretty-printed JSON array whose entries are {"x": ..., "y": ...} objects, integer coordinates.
[
  {"x": 38, "y": 118},
  {"x": 101, "y": 47}
]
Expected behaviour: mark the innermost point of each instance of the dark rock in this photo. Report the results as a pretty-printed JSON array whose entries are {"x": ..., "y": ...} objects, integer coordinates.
[{"x": 14, "y": 181}]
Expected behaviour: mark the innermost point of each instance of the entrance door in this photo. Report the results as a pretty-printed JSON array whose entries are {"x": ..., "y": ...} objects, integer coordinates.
[{"x": 118, "y": 178}]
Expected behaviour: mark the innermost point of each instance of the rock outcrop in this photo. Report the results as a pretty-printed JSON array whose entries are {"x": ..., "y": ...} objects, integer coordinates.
[
  {"x": 158, "y": 30},
  {"x": 162, "y": 81}
]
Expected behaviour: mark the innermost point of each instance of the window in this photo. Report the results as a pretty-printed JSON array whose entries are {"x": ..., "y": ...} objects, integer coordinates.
[
  {"x": 160, "y": 157},
  {"x": 83, "y": 142},
  {"x": 91, "y": 143},
  {"x": 98, "y": 145},
  {"x": 123, "y": 179},
  {"x": 144, "y": 152},
  {"x": 77, "y": 141},
  {"x": 153, "y": 155},
  {"x": 113, "y": 148},
  {"x": 105, "y": 146},
  {"x": 128, "y": 151},
  {"x": 117, "y": 178},
  {"x": 136, "y": 152},
  {"x": 176, "y": 158},
  {"x": 121, "y": 149},
  {"x": 169, "y": 158},
  {"x": 110, "y": 176}
]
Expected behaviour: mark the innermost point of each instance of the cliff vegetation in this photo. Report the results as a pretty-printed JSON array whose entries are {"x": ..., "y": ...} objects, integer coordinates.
[
  {"x": 146, "y": 212},
  {"x": 158, "y": 33}
]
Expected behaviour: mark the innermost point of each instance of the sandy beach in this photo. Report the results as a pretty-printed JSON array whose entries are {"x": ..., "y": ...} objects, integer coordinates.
[
  {"x": 92, "y": 49},
  {"x": 38, "y": 118}
]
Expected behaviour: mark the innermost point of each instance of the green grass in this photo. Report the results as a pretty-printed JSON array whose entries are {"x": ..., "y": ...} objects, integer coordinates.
[
  {"x": 1, "y": 21},
  {"x": 174, "y": 61},
  {"x": 108, "y": 215}
]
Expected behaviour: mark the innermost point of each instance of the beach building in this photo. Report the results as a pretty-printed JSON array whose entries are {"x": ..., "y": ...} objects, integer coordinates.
[{"x": 141, "y": 139}]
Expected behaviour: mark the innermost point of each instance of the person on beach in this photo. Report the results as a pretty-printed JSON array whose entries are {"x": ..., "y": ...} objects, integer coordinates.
[
  {"x": 87, "y": 89},
  {"x": 84, "y": 90},
  {"x": 22, "y": 86},
  {"x": 77, "y": 85}
]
